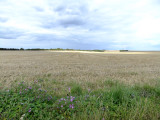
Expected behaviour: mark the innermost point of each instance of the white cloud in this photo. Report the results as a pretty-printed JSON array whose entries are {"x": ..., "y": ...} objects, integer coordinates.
[{"x": 102, "y": 24}]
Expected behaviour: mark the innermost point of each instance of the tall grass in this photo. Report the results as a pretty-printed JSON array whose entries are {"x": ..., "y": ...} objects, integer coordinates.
[{"x": 116, "y": 101}]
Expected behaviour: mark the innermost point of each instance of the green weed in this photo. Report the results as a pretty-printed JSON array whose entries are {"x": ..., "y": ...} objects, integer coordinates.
[{"x": 31, "y": 101}]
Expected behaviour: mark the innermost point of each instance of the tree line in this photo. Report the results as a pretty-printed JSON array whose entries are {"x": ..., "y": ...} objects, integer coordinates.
[
  {"x": 60, "y": 49},
  {"x": 11, "y": 49},
  {"x": 16, "y": 49}
]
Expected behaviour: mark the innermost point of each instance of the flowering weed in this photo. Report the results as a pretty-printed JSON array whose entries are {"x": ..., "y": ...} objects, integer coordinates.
[{"x": 118, "y": 102}]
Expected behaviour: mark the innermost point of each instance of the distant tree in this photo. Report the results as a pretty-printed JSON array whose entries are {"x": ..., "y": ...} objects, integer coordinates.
[
  {"x": 21, "y": 48},
  {"x": 59, "y": 48},
  {"x": 9, "y": 49}
]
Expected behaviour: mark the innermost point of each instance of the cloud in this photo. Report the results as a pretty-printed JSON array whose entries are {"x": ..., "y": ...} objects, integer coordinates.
[
  {"x": 92, "y": 24},
  {"x": 72, "y": 9},
  {"x": 3, "y": 19},
  {"x": 60, "y": 8},
  {"x": 39, "y": 9},
  {"x": 74, "y": 21},
  {"x": 9, "y": 33}
]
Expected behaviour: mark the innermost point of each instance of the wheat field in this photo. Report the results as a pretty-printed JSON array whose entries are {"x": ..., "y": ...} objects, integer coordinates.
[{"x": 82, "y": 67}]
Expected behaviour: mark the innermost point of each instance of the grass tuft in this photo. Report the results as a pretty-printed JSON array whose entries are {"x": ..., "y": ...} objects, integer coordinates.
[
  {"x": 76, "y": 90},
  {"x": 31, "y": 101}
]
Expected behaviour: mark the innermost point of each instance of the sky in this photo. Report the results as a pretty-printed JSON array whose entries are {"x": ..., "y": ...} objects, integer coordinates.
[{"x": 80, "y": 24}]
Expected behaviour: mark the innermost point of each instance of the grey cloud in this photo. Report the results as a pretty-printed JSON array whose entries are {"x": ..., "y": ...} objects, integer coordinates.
[
  {"x": 8, "y": 33},
  {"x": 71, "y": 14},
  {"x": 45, "y": 37},
  {"x": 74, "y": 21},
  {"x": 72, "y": 9},
  {"x": 68, "y": 21},
  {"x": 50, "y": 23},
  {"x": 2, "y": 19},
  {"x": 72, "y": 41},
  {"x": 39, "y": 9},
  {"x": 60, "y": 8}
]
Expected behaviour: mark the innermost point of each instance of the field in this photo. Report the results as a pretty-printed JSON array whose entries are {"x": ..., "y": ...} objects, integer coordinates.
[{"x": 119, "y": 85}]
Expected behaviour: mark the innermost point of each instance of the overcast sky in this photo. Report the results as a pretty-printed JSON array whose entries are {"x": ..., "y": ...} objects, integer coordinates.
[{"x": 80, "y": 24}]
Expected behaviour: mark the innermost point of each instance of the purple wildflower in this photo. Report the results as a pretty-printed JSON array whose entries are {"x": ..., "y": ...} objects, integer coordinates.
[
  {"x": 89, "y": 90},
  {"x": 29, "y": 110},
  {"x": 71, "y": 106},
  {"x": 69, "y": 89},
  {"x": 29, "y": 87},
  {"x": 61, "y": 98},
  {"x": 72, "y": 98},
  {"x": 61, "y": 105},
  {"x": 25, "y": 89}
]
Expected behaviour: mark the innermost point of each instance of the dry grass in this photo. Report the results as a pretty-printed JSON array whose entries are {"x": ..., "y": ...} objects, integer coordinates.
[
  {"x": 134, "y": 68},
  {"x": 90, "y": 77}
]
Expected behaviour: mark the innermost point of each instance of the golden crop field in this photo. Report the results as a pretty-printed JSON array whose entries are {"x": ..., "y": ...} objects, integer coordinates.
[
  {"x": 79, "y": 85},
  {"x": 82, "y": 67}
]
